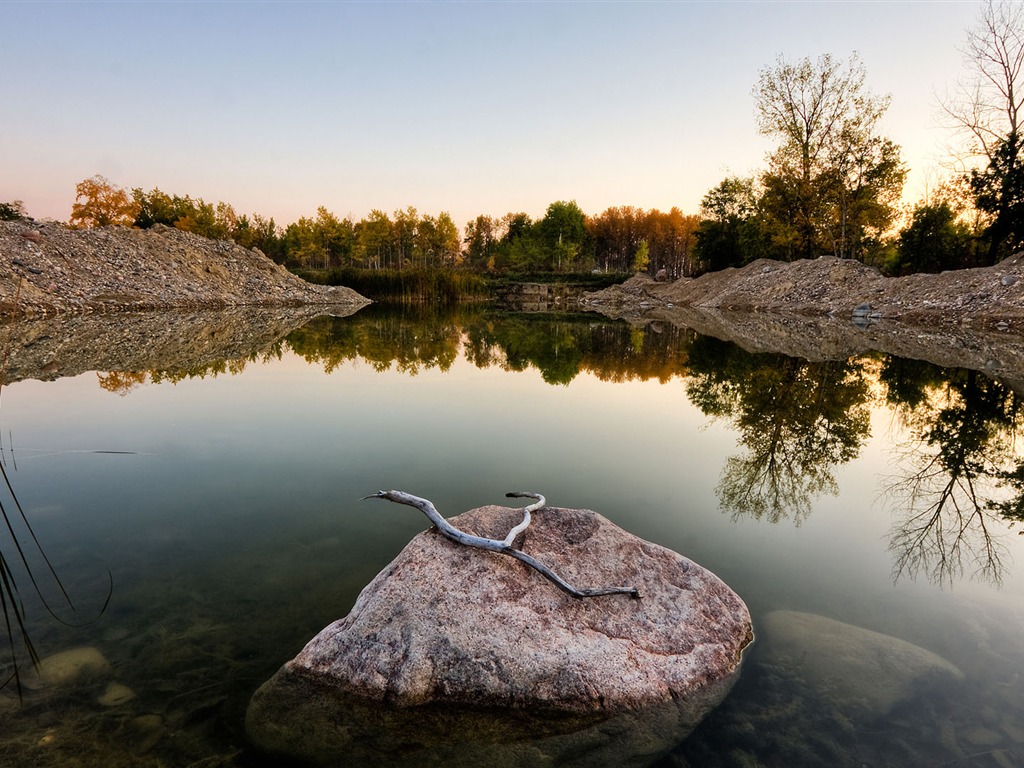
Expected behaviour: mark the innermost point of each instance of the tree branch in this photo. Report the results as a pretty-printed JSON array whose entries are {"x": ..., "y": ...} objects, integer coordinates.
[{"x": 502, "y": 547}]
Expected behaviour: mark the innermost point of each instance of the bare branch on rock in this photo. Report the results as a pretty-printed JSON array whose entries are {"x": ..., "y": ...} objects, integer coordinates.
[{"x": 504, "y": 546}]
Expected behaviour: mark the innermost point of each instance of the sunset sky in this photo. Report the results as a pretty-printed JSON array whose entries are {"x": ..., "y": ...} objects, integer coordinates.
[{"x": 465, "y": 107}]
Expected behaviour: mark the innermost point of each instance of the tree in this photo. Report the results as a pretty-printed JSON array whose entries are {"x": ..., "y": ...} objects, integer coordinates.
[
  {"x": 481, "y": 240},
  {"x": 99, "y": 203},
  {"x": 260, "y": 233},
  {"x": 12, "y": 211},
  {"x": 986, "y": 110},
  {"x": 445, "y": 242},
  {"x": 374, "y": 242},
  {"x": 157, "y": 207},
  {"x": 563, "y": 231},
  {"x": 320, "y": 243},
  {"x": 832, "y": 178},
  {"x": 642, "y": 259},
  {"x": 730, "y": 233},
  {"x": 999, "y": 192},
  {"x": 934, "y": 241}
]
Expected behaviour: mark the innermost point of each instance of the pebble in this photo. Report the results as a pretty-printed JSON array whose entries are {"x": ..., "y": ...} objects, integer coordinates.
[
  {"x": 115, "y": 695},
  {"x": 983, "y": 737}
]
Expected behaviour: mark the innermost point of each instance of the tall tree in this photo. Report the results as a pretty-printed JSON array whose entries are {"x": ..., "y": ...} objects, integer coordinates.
[
  {"x": 375, "y": 241},
  {"x": 481, "y": 240},
  {"x": 100, "y": 203},
  {"x": 987, "y": 110},
  {"x": 563, "y": 231},
  {"x": 934, "y": 241},
  {"x": 730, "y": 233},
  {"x": 831, "y": 178}
]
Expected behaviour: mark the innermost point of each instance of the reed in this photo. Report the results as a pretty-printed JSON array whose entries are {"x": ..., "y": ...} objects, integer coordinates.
[{"x": 406, "y": 286}]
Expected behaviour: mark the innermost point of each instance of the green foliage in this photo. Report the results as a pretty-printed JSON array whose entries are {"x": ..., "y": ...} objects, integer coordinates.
[
  {"x": 934, "y": 241},
  {"x": 732, "y": 233},
  {"x": 832, "y": 183},
  {"x": 797, "y": 421},
  {"x": 481, "y": 239},
  {"x": 642, "y": 259},
  {"x": 998, "y": 190},
  {"x": 319, "y": 243},
  {"x": 217, "y": 221},
  {"x": 440, "y": 286}
]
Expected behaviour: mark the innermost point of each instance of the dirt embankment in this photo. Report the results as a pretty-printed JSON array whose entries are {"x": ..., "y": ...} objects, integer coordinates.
[
  {"x": 986, "y": 298},
  {"x": 49, "y": 269},
  {"x": 832, "y": 309}
]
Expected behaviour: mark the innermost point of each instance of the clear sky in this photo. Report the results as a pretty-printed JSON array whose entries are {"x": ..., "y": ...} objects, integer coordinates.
[{"x": 465, "y": 107}]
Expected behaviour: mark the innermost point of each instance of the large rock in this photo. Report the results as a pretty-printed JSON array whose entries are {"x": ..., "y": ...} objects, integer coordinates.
[
  {"x": 452, "y": 654},
  {"x": 862, "y": 673}
]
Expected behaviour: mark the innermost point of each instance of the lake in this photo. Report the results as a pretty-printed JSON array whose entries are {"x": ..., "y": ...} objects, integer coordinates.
[{"x": 203, "y": 516}]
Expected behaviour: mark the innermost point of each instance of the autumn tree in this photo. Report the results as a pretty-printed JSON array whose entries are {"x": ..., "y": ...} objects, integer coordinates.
[
  {"x": 100, "y": 203},
  {"x": 616, "y": 234},
  {"x": 614, "y": 237},
  {"x": 374, "y": 243},
  {"x": 437, "y": 240},
  {"x": 832, "y": 182}
]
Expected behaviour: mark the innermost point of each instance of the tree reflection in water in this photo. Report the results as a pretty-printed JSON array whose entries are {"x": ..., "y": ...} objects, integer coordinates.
[
  {"x": 959, "y": 471},
  {"x": 796, "y": 419}
]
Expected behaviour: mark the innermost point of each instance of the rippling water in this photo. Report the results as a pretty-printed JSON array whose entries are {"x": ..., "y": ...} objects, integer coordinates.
[{"x": 222, "y": 501}]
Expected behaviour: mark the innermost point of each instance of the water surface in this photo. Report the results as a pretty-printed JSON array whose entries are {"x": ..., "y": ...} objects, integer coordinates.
[{"x": 222, "y": 500}]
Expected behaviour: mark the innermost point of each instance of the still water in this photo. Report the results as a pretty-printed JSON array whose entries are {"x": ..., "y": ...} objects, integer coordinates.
[{"x": 222, "y": 502}]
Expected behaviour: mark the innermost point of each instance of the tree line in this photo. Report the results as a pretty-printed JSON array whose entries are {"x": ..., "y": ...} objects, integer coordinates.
[
  {"x": 565, "y": 240},
  {"x": 832, "y": 185}
]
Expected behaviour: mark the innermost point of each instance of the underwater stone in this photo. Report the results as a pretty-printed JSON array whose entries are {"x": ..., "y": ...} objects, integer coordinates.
[
  {"x": 861, "y": 672},
  {"x": 115, "y": 694},
  {"x": 68, "y": 667}
]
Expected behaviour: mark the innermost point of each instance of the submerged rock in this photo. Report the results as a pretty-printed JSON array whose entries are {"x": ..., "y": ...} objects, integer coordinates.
[
  {"x": 861, "y": 672},
  {"x": 67, "y": 667},
  {"x": 461, "y": 650},
  {"x": 115, "y": 694}
]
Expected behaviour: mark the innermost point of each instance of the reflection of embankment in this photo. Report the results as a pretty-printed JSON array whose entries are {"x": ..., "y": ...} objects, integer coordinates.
[
  {"x": 835, "y": 338},
  {"x": 54, "y": 347}
]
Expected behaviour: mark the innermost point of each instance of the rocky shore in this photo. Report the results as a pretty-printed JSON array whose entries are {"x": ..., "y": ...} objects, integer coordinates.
[
  {"x": 174, "y": 340},
  {"x": 48, "y": 269},
  {"x": 990, "y": 298}
]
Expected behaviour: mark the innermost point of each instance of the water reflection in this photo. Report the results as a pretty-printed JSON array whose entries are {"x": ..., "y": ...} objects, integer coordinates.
[
  {"x": 958, "y": 471},
  {"x": 224, "y": 576},
  {"x": 796, "y": 419}
]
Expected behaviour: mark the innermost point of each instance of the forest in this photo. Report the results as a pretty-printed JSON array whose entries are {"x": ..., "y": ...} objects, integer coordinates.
[{"x": 832, "y": 185}]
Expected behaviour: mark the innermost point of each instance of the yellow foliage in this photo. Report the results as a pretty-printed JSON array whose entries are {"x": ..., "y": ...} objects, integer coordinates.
[{"x": 99, "y": 203}]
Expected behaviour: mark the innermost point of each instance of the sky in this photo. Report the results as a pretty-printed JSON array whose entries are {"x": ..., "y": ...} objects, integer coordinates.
[{"x": 467, "y": 107}]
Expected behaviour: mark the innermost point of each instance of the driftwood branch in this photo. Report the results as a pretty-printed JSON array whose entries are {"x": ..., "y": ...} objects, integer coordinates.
[{"x": 504, "y": 546}]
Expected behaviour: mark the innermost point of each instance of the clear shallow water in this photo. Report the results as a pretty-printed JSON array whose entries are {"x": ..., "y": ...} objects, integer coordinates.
[{"x": 225, "y": 508}]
